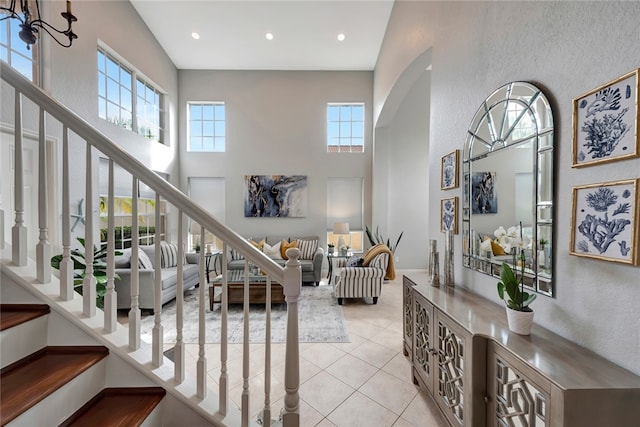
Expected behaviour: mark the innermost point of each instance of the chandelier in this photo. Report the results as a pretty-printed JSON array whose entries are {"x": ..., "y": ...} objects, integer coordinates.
[{"x": 31, "y": 24}]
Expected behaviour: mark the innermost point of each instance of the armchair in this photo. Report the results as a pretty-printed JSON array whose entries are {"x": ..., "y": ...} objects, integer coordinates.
[{"x": 366, "y": 281}]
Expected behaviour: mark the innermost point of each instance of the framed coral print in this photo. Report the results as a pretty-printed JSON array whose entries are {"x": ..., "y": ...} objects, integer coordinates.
[
  {"x": 604, "y": 221},
  {"x": 449, "y": 215},
  {"x": 605, "y": 122},
  {"x": 449, "y": 171}
]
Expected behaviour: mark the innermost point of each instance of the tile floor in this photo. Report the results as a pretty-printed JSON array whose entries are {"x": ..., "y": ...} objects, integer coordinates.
[{"x": 366, "y": 382}]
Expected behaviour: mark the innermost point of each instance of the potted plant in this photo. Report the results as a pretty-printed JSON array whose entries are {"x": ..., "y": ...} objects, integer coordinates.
[
  {"x": 330, "y": 246},
  {"x": 519, "y": 314}
]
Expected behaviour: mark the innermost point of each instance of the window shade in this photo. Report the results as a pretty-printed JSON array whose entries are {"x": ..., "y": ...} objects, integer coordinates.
[{"x": 344, "y": 202}]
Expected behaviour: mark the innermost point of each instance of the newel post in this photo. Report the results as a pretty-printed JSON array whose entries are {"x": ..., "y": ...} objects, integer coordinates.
[{"x": 292, "y": 284}]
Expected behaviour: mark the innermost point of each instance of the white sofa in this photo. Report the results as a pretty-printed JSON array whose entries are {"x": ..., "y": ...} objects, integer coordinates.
[{"x": 147, "y": 279}]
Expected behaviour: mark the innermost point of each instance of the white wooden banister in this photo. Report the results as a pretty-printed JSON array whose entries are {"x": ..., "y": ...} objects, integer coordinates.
[
  {"x": 289, "y": 276},
  {"x": 66, "y": 265},
  {"x": 18, "y": 231},
  {"x": 43, "y": 248},
  {"x": 89, "y": 283}
]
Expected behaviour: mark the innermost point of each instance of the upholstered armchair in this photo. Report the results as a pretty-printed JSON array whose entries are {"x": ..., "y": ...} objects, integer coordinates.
[{"x": 365, "y": 281}]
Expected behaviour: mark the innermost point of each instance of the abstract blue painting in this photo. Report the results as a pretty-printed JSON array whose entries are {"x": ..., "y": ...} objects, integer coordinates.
[
  {"x": 275, "y": 196},
  {"x": 604, "y": 221},
  {"x": 605, "y": 122},
  {"x": 483, "y": 193}
]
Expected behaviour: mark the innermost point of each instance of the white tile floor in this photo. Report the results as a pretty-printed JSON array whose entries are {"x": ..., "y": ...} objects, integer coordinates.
[{"x": 366, "y": 382}]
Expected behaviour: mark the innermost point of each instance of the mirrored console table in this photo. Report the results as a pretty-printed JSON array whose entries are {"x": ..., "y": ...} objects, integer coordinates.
[{"x": 481, "y": 374}]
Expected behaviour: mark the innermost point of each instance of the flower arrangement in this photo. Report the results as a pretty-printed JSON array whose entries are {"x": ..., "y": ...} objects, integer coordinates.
[
  {"x": 509, "y": 284},
  {"x": 509, "y": 240}
]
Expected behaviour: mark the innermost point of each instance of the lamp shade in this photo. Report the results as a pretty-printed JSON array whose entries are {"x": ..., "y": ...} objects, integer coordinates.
[{"x": 340, "y": 228}]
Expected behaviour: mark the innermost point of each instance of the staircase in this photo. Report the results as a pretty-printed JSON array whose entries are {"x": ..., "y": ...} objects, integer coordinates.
[
  {"x": 64, "y": 360},
  {"x": 36, "y": 385}
]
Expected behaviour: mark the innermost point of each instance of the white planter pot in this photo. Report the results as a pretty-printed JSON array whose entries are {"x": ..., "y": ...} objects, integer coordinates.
[{"x": 520, "y": 321}]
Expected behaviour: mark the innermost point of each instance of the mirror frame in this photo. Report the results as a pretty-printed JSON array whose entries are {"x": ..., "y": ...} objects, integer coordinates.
[{"x": 536, "y": 106}]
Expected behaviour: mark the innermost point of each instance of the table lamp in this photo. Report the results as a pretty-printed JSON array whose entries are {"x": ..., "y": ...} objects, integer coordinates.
[{"x": 340, "y": 229}]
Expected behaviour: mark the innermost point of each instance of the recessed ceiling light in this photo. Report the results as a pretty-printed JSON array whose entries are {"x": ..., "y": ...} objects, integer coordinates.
[
  {"x": 195, "y": 35},
  {"x": 269, "y": 36},
  {"x": 341, "y": 37}
]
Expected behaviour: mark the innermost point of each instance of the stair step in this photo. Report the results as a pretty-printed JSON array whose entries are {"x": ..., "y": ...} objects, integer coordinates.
[
  {"x": 28, "y": 381},
  {"x": 117, "y": 407},
  {"x": 16, "y": 314}
]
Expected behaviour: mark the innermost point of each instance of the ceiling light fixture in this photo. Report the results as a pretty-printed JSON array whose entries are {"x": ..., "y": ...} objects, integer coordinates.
[
  {"x": 30, "y": 27},
  {"x": 341, "y": 37},
  {"x": 269, "y": 36},
  {"x": 195, "y": 36}
]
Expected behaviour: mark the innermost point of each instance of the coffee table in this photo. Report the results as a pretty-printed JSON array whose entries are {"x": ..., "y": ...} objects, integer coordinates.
[{"x": 235, "y": 289}]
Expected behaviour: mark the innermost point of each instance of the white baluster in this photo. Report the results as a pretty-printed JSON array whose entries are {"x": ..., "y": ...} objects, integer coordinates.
[
  {"x": 224, "y": 344},
  {"x": 89, "y": 282},
  {"x": 291, "y": 287},
  {"x": 66, "y": 265},
  {"x": 134, "y": 311},
  {"x": 1, "y": 227},
  {"x": 202, "y": 360},
  {"x": 43, "y": 247},
  {"x": 266, "y": 413},
  {"x": 157, "y": 333},
  {"x": 245, "y": 349},
  {"x": 18, "y": 231},
  {"x": 179, "y": 349},
  {"x": 110, "y": 298}
]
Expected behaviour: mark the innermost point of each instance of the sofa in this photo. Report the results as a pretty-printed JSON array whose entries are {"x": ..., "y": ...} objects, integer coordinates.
[
  {"x": 146, "y": 264},
  {"x": 311, "y": 254}
]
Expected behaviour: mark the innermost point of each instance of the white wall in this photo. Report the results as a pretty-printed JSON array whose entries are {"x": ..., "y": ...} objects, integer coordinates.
[
  {"x": 567, "y": 49},
  {"x": 276, "y": 124}
]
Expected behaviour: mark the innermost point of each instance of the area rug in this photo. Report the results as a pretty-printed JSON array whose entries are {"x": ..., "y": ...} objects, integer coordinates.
[{"x": 320, "y": 320}]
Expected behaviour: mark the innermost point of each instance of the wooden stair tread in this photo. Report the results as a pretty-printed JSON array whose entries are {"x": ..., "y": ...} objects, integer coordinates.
[
  {"x": 114, "y": 407},
  {"x": 28, "y": 381},
  {"x": 15, "y": 314}
]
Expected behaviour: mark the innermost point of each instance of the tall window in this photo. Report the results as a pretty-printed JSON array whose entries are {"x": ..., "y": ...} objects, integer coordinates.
[
  {"x": 345, "y": 127},
  {"x": 206, "y": 127},
  {"x": 345, "y": 204},
  {"x": 14, "y": 51},
  {"x": 117, "y": 87},
  {"x": 148, "y": 225}
]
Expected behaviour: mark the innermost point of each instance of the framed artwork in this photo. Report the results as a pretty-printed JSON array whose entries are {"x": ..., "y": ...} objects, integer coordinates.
[
  {"x": 449, "y": 171},
  {"x": 283, "y": 196},
  {"x": 605, "y": 122},
  {"x": 483, "y": 193},
  {"x": 604, "y": 221},
  {"x": 449, "y": 215}
]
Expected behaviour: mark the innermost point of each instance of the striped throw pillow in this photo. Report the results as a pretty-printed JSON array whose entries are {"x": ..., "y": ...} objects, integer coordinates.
[
  {"x": 144, "y": 262},
  {"x": 307, "y": 248},
  {"x": 168, "y": 254}
]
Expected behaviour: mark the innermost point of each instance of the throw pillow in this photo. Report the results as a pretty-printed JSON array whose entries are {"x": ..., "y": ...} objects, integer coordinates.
[
  {"x": 168, "y": 254},
  {"x": 354, "y": 261},
  {"x": 259, "y": 245},
  {"x": 284, "y": 245},
  {"x": 497, "y": 249},
  {"x": 236, "y": 255},
  {"x": 272, "y": 252},
  {"x": 124, "y": 260},
  {"x": 307, "y": 248},
  {"x": 144, "y": 262}
]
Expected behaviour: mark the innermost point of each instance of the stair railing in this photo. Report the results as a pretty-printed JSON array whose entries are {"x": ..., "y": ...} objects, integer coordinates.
[{"x": 74, "y": 126}]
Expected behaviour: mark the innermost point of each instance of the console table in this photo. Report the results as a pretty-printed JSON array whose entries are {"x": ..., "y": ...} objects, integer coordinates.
[{"x": 481, "y": 374}]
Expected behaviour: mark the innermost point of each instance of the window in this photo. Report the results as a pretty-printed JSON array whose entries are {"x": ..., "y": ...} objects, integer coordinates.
[
  {"x": 122, "y": 200},
  {"x": 206, "y": 127},
  {"x": 345, "y": 128},
  {"x": 345, "y": 204},
  {"x": 14, "y": 51},
  {"x": 117, "y": 87}
]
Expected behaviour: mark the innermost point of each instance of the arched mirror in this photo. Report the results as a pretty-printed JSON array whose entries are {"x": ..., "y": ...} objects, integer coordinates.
[{"x": 508, "y": 185}]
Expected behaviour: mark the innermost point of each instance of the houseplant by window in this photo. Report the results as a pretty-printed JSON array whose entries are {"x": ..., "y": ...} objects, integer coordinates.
[{"x": 519, "y": 314}]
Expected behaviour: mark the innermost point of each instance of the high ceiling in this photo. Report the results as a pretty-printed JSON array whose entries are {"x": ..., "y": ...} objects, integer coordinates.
[{"x": 232, "y": 33}]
